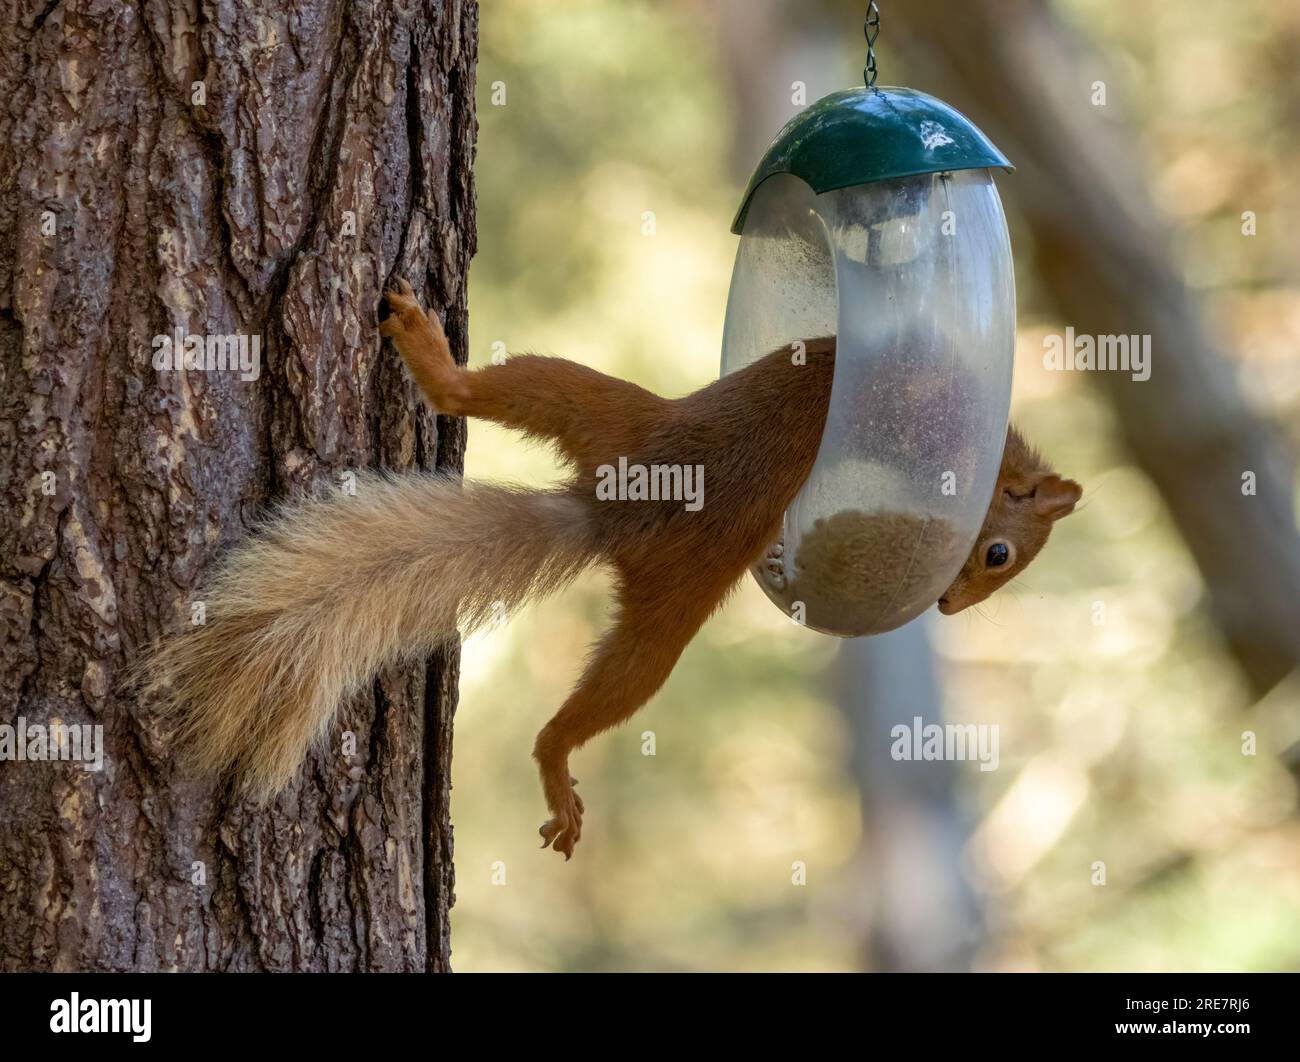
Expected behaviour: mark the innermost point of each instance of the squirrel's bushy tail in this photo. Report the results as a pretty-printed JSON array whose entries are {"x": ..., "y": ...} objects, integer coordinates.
[{"x": 334, "y": 589}]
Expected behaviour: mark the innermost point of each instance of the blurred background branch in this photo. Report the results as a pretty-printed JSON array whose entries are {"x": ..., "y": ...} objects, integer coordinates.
[{"x": 1101, "y": 249}]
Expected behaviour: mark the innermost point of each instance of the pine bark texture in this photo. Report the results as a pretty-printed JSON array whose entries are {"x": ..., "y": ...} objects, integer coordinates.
[{"x": 226, "y": 168}]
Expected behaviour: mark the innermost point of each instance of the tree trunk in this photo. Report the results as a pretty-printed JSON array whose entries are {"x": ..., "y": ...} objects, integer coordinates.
[
  {"x": 226, "y": 169},
  {"x": 922, "y": 913}
]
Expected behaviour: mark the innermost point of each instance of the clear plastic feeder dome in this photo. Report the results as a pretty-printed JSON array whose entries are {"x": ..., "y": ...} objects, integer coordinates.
[{"x": 873, "y": 218}]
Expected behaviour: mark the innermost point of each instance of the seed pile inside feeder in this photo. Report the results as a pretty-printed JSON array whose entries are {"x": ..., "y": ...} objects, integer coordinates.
[{"x": 871, "y": 561}]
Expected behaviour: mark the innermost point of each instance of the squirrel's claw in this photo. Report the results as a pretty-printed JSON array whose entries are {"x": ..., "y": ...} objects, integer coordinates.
[
  {"x": 564, "y": 831},
  {"x": 400, "y": 287},
  {"x": 400, "y": 310},
  {"x": 401, "y": 299},
  {"x": 564, "y": 837}
]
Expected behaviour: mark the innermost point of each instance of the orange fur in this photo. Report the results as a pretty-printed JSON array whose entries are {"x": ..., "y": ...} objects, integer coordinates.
[{"x": 1028, "y": 499}]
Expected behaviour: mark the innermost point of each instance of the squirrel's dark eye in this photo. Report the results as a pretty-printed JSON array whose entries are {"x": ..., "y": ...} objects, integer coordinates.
[{"x": 997, "y": 555}]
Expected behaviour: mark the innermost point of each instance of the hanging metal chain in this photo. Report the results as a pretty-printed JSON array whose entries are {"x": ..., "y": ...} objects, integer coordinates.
[{"x": 871, "y": 30}]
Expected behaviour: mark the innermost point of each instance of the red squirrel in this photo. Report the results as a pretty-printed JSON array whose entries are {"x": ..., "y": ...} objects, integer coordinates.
[{"x": 336, "y": 588}]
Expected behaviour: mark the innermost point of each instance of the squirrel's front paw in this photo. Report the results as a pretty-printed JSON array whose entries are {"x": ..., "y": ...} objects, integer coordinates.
[
  {"x": 565, "y": 829},
  {"x": 404, "y": 311}
]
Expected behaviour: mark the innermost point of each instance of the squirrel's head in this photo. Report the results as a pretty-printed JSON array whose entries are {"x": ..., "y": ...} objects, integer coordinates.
[{"x": 1029, "y": 499}]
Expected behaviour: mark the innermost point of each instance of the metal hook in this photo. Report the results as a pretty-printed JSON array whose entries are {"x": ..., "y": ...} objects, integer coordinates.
[{"x": 871, "y": 30}]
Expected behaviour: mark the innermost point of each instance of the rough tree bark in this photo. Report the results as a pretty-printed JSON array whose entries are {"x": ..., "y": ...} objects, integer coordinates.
[{"x": 223, "y": 167}]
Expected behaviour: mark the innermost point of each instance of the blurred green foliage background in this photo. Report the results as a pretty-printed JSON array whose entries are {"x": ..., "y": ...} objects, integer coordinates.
[{"x": 1121, "y": 742}]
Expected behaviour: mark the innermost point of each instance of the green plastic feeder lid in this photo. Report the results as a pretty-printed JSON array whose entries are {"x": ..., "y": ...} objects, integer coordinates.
[{"x": 863, "y": 135}]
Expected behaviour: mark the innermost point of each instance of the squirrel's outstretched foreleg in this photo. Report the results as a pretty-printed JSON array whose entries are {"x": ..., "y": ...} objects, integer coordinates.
[{"x": 592, "y": 417}]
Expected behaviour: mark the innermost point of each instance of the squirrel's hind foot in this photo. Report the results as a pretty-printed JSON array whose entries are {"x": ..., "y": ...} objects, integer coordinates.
[{"x": 565, "y": 829}]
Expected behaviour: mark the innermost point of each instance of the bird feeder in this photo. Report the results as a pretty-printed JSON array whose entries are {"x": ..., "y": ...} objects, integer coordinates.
[{"x": 873, "y": 218}]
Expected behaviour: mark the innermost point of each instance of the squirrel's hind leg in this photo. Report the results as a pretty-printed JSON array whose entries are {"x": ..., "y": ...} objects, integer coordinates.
[{"x": 656, "y": 620}]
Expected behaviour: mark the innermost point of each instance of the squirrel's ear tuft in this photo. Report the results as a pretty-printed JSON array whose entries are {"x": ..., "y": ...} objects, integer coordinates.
[{"x": 1055, "y": 497}]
